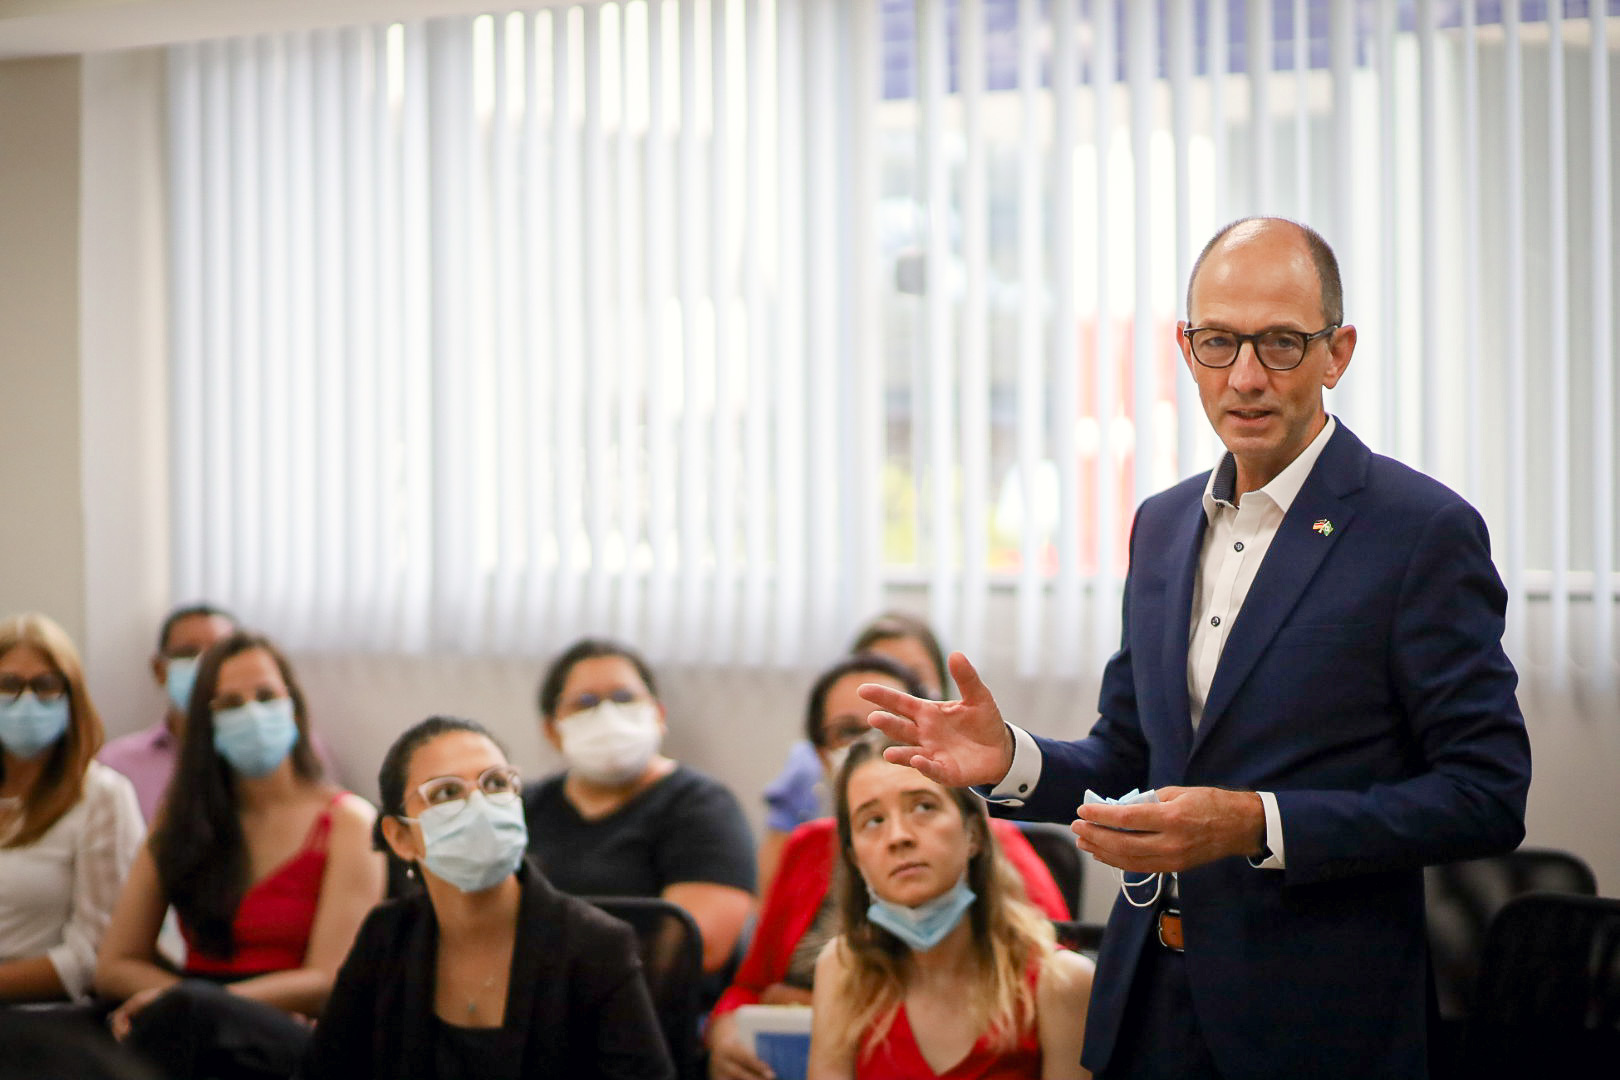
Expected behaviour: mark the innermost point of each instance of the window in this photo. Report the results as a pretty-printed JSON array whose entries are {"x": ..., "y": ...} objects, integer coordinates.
[{"x": 703, "y": 321}]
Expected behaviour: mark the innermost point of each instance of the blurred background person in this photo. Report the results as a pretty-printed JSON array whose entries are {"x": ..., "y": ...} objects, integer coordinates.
[
  {"x": 490, "y": 972},
  {"x": 798, "y": 793},
  {"x": 625, "y": 820},
  {"x": 69, "y": 827},
  {"x": 269, "y": 868},
  {"x": 942, "y": 967}
]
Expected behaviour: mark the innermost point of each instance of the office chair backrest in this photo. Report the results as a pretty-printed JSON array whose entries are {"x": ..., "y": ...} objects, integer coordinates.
[
  {"x": 1055, "y": 845},
  {"x": 1462, "y": 899},
  {"x": 672, "y": 963},
  {"x": 1548, "y": 1000}
]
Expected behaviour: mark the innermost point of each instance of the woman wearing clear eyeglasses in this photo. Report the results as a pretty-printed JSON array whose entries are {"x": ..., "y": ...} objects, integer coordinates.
[
  {"x": 490, "y": 972},
  {"x": 627, "y": 820},
  {"x": 68, "y": 825},
  {"x": 268, "y": 867}
]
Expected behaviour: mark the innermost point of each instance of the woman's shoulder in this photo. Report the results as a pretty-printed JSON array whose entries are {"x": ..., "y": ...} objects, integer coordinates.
[
  {"x": 687, "y": 784},
  {"x": 104, "y": 782},
  {"x": 1065, "y": 975}
]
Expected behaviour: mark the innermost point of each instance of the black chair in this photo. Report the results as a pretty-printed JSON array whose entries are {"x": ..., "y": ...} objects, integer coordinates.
[
  {"x": 1082, "y": 937},
  {"x": 1462, "y": 898},
  {"x": 1548, "y": 997},
  {"x": 1056, "y": 846},
  {"x": 672, "y": 962}
]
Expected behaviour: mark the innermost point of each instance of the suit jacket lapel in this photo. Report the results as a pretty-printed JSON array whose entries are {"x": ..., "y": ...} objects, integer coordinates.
[
  {"x": 1186, "y": 545},
  {"x": 1291, "y": 562}
]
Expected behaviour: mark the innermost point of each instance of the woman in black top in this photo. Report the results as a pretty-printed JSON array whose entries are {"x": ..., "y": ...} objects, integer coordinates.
[{"x": 491, "y": 972}]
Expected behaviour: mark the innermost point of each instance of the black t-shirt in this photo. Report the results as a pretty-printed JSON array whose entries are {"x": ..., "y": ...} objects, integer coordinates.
[{"x": 686, "y": 827}]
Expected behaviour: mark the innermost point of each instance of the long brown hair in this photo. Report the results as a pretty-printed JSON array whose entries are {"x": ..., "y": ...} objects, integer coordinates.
[
  {"x": 197, "y": 842},
  {"x": 61, "y": 781},
  {"x": 1009, "y": 934}
]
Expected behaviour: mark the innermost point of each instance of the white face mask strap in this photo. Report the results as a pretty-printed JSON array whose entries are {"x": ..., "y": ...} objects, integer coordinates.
[{"x": 1126, "y": 885}]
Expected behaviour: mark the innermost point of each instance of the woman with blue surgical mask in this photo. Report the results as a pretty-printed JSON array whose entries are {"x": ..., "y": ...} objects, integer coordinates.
[
  {"x": 69, "y": 826},
  {"x": 942, "y": 967},
  {"x": 268, "y": 866},
  {"x": 623, "y": 819},
  {"x": 489, "y": 971}
]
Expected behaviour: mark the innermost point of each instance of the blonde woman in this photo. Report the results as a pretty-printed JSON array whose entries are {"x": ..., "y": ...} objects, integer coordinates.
[
  {"x": 943, "y": 969},
  {"x": 69, "y": 827}
]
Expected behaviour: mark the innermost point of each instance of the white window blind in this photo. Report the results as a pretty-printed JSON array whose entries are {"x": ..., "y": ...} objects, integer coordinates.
[{"x": 709, "y": 323}]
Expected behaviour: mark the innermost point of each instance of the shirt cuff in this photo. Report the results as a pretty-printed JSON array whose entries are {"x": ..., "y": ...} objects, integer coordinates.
[
  {"x": 1022, "y": 776},
  {"x": 1273, "y": 859}
]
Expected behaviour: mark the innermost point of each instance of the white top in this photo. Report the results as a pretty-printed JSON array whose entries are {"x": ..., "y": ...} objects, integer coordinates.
[
  {"x": 57, "y": 894},
  {"x": 1235, "y": 543}
]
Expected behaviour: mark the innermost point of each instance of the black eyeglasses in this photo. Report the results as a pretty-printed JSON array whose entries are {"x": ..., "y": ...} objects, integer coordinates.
[
  {"x": 1277, "y": 350},
  {"x": 47, "y": 687}
]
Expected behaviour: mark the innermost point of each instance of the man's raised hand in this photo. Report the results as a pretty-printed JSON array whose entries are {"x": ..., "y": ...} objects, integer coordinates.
[{"x": 955, "y": 743}]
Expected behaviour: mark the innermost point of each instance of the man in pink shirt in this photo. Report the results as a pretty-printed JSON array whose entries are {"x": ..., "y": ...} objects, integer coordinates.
[{"x": 147, "y": 757}]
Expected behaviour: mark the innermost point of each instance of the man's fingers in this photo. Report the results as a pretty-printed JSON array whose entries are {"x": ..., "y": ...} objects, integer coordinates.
[
  {"x": 890, "y": 698},
  {"x": 895, "y": 727},
  {"x": 968, "y": 681}
]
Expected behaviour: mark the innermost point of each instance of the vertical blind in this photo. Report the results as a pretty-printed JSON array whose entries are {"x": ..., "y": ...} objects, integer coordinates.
[{"x": 713, "y": 323}]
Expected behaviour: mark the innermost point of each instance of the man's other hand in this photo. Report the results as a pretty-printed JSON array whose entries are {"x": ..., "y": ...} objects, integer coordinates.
[
  {"x": 955, "y": 743},
  {"x": 1187, "y": 827}
]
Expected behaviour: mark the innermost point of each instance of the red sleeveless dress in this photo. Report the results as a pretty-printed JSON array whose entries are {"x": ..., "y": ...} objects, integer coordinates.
[
  {"x": 899, "y": 1058},
  {"x": 272, "y": 924}
]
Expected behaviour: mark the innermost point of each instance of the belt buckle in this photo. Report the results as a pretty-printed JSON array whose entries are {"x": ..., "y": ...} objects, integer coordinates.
[{"x": 1170, "y": 929}]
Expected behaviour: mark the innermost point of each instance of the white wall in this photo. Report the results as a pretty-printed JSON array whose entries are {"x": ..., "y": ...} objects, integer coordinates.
[{"x": 82, "y": 463}]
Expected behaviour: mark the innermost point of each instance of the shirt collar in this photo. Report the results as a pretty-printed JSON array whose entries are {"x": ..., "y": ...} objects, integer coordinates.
[{"x": 1284, "y": 487}]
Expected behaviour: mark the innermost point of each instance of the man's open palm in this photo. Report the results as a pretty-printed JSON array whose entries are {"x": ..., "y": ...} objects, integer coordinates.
[{"x": 955, "y": 743}]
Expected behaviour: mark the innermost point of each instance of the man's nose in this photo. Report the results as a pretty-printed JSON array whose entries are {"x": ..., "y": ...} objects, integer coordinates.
[{"x": 1248, "y": 374}]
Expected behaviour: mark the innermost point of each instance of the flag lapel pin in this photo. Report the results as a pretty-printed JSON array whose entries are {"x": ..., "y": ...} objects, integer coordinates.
[{"x": 1323, "y": 526}]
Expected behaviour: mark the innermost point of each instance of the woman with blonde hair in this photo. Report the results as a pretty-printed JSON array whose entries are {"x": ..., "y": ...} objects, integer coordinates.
[
  {"x": 943, "y": 968},
  {"x": 69, "y": 826}
]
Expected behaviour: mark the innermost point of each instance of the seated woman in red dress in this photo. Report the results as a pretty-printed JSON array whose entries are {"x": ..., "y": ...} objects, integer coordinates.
[
  {"x": 269, "y": 868},
  {"x": 942, "y": 968},
  {"x": 800, "y": 913}
]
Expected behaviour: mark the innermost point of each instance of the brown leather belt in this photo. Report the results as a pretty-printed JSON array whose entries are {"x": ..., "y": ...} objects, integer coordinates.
[{"x": 1170, "y": 929}]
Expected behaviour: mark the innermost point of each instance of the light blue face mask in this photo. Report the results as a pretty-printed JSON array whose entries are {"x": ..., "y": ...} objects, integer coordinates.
[
  {"x": 180, "y": 675},
  {"x": 29, "y": 726},
  {"x": 256, "y": 737},
  {"x": 1125, "y": 883},
  {"x": 926, "y": 925},
  {"x": 473, "y": 843}
]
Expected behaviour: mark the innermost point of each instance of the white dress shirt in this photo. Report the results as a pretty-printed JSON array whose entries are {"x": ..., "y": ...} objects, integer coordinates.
[
  {"x": 57, "y": 893},
  {"x": 1239, "y": 533}
]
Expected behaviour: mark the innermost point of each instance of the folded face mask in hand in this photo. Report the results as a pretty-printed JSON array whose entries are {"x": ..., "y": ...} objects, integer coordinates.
[{"x": 1127, "y": 799}]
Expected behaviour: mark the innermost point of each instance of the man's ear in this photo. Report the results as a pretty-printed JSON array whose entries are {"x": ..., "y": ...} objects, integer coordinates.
[
  {"x": 1185, "y": 346},
  {"x": 400, "y": 839},
  {"x": 1340, "y": 346}
]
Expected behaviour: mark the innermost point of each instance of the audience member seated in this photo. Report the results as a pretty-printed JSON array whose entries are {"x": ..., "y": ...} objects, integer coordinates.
[
  {"x": 147, "y": 756},
  {"x": 492, "y": 973},
  {"x": 800, "y": 910},
  {"x": 69, "y": 827},
  {"x": 623, "y": 819},
  {"x": 797, "y": 794},
  {"x": 269, "y": 868},
  {"x": 942, "y": 967}
]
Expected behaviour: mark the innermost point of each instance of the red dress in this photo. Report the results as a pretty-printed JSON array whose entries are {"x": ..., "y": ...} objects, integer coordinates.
[
  {"x": 899, "y": 1058},
  {"x": 272, "y": 924},
  {"x": 802, "y": 880}
]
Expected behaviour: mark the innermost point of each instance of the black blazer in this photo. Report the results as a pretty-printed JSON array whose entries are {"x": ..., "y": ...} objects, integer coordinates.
[{"x": 576, "y": 1005}]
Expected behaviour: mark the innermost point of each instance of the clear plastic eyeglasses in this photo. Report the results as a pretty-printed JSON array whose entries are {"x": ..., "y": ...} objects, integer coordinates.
[{"x": 500, "y": 784}]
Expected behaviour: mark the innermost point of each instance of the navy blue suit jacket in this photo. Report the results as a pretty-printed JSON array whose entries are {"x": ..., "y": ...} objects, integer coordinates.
[{"x": 1364, "y": 683}]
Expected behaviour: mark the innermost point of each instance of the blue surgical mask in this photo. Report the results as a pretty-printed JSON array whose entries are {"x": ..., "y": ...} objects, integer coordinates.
[
  {"x": 29, "y": 726},
  {"x": 180, "y": 675},
  {"x": 926, "y": 925},
  {"x": 473, "y": 843},
  {"x": 257, "y": 736}
]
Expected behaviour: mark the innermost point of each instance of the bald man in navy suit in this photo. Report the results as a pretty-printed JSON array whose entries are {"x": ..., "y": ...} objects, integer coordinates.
[{"x": 1310, "y": 676}]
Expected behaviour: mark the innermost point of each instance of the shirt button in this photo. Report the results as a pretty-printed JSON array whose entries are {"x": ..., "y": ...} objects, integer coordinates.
[
  {"x": 1214, "y": 620},
  {"x": 1022, "y": 788},
  {"x": 1238, "y": 546}
]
